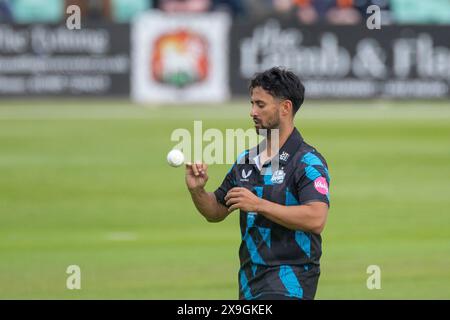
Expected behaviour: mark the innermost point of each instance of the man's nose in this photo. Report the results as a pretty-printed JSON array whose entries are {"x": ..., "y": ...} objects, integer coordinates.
[{"x": 252, "y": 112}]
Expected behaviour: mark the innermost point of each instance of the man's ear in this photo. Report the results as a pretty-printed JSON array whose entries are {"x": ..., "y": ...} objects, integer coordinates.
[{"x": 286, "y": 108}]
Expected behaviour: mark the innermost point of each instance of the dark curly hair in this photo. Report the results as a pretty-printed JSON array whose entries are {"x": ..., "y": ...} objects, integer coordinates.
[{"x": 281, "y": 84}]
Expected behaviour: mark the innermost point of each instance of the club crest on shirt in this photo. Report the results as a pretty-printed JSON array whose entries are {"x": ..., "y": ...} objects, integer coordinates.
[
  {"x": 278, "y": 176},
  {"x": 284, "y": 156}
]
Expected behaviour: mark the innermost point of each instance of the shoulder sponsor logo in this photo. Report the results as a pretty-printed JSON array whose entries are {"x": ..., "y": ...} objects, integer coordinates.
[
  {"x": 278, "y": 176},
  {"x": 321, "y": 185}
]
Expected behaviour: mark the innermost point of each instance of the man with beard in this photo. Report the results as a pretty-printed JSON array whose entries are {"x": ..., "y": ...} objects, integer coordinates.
[{"x": 282, "y": 195}]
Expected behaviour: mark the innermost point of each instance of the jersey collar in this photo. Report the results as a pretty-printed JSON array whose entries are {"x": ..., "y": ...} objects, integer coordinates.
[
  {"x": 290, "y": 147},
  {"x": 286, "y": 152}
]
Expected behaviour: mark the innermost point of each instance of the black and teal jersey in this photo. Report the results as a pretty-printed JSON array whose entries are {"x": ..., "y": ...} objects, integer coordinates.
[{"x": 275, "y": 259}]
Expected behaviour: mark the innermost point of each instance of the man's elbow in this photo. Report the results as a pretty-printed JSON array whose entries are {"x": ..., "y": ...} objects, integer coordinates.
[
  {"x": 318, "y": 213},
  {"x": 318, "y": 226},
  {"x": 318, "y": 229},
  {"x": 218, "y": 214},
  {"x": 214, "y": 219}
]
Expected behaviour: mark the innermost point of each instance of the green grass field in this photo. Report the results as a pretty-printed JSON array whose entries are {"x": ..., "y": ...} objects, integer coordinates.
[{"x": 86, "y": 183}]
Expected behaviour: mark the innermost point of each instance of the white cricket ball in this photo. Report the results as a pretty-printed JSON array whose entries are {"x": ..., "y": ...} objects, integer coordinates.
[{"x": 175, "y": 158}]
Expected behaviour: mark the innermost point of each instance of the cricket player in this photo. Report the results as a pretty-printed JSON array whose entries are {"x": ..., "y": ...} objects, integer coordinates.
[{"x": 282, "y": 212}]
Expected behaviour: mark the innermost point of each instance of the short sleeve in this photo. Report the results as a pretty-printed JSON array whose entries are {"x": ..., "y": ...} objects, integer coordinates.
[
  {"x": 313, "y": 179},
  {"x": 228, "y": 183}
]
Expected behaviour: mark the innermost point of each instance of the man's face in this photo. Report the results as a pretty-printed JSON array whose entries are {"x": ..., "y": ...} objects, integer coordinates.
[{"x": 265, "y": 110}]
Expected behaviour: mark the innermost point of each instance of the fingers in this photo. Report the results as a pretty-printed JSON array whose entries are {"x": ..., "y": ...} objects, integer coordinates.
[
  {"x": 197, "y": 168},
  {"x": 237, "y": 198},
  {"x": 234, "y": 192},
  {"x": 200, "y": 168},
  {"x": 231, "y": 194},
  {"x": 234, "y": 196},
  {"x": 232, "y": 201}
]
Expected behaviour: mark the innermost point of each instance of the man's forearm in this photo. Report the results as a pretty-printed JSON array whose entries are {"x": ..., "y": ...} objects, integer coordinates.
[
  {"x": 302, "y": 217},
  {"x": 207, "y": 205}
]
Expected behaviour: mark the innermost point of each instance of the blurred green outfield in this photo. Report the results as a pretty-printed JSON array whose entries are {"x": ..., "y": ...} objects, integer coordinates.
[{"x": 86, "y": 182}]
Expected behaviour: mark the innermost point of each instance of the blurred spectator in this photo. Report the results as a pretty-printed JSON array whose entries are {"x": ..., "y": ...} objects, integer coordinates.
[
  {"x": 306, "y": 12},
  {"x": 323, "y": 6},
  {"x": 340, "y": 12},
  {"x": 347, "y": 12},
  {"x": 309, "y": 11},
  {"x": 236, "y": 8},
  {"x": 185, "y": 5},
  {"x": 283, "y": 6},
  {"x": 344, "y": 13},
  {"x": 5, "y": 11},
  {"x": 93, "y": 9},
  {"x": 46, "y": 11},
  {"x": 331, "y": 11},
  {"x": 284, "y": 9}
]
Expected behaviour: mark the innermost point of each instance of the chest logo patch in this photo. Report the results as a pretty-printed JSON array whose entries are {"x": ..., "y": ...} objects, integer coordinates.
[
  {"x": 245, "y": 175},
  {"x": 278, "y": 176}
]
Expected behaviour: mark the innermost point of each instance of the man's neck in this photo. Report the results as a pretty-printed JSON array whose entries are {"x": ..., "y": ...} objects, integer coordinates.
[{"x": 283, "y": 135}]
